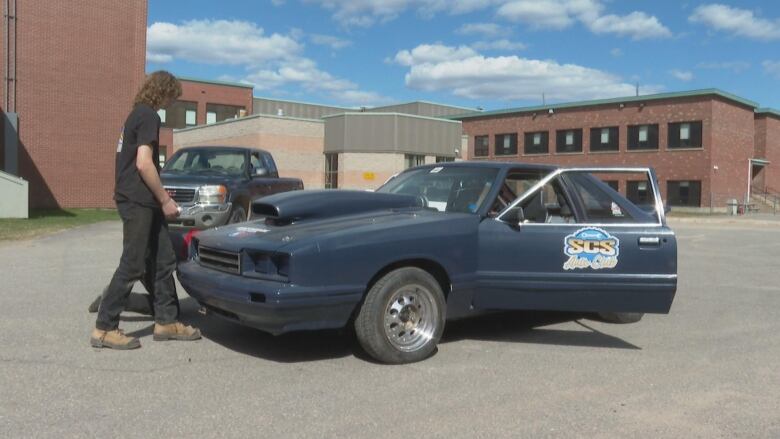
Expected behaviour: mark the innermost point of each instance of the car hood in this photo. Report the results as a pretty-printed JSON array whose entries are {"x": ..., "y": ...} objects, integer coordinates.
[{"x": 334, "y": 220}]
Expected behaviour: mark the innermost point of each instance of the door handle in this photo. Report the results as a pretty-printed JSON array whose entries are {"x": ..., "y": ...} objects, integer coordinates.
[{"x": 649, "y": 241}]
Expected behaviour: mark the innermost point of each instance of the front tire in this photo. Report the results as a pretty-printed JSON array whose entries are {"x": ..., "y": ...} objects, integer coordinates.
[
  {"x": 621, "y": 317},
  {"x": 402, "y": 317}
]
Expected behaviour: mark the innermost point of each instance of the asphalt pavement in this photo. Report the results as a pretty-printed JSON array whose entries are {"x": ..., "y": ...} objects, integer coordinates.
[{"x": 707, "y": 370}]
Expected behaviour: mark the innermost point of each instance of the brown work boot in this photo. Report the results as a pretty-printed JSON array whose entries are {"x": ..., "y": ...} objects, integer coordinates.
[
  {"x": 175, "y": 331},
  {"x": 115, "y": 339}
]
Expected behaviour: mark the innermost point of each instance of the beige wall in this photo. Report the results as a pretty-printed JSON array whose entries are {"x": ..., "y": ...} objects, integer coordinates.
[
  {"x": 296, "y": 144},
  {"x": 14, "y": 192},
  {"x": 368, "y": 170}
]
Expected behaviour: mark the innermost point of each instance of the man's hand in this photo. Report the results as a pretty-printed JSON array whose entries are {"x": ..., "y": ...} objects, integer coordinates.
[{"x": 170, "y": 209}]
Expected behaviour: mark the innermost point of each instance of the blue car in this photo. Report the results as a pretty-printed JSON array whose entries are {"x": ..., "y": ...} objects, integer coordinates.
[{"x": 435, "y": 243}]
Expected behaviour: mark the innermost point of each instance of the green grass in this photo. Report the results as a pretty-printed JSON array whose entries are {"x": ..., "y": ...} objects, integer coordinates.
[{"x": 44, "y": 221}]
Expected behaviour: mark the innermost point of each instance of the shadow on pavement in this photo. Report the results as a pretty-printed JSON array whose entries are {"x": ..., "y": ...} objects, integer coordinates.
[{"x": 511, "y": 327}]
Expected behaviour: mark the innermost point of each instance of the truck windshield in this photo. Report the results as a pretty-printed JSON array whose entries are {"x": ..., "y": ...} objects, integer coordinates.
[
  {"x": 445, "y": 188},
  {"x": 207, "y": 161}
]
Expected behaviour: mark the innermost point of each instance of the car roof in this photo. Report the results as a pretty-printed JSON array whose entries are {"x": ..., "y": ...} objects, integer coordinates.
[
  {"x": 229, "y": 148},
  {"x": 493, "y": 165}
]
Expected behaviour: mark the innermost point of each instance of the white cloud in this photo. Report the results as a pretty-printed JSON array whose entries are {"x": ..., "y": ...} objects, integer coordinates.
[
  {"x": 364, "y": 13},
  {"x": 217, "y": 42},
  {"x": 734, "y": 66},
  {"x": 476, "y": 76},
  {"x": 485, "y": 29},
  {"x": 331, "y": 41},
  {"x": 741, "y": 22},
  {"x": 433, "y": 53},
  {"x": 271, "y": 61},
  {"x": 682, "y": 75},
  {"x": 772, "y": 68},
  {"x": 560, "y": 14},
  {"x": 500, "y": 45}
]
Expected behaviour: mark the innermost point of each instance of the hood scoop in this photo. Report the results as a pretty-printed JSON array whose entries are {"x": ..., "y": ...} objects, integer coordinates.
[{"x": 296, "y": 206}]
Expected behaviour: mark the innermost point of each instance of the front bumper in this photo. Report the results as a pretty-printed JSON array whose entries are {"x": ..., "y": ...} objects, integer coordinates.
[
  {"x": 201, "y": 216},
  {"x": 270, "y": 306}
]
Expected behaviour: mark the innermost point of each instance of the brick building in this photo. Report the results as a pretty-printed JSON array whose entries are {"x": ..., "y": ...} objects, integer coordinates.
[
  {"x": 72, "y": 69},
  {"x": 707, "y": 146}
]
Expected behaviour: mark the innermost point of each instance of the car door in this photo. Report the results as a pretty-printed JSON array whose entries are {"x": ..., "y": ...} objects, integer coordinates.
[
  {"x": 572, "y": 243},
  {"x": 258, "y": 186}
]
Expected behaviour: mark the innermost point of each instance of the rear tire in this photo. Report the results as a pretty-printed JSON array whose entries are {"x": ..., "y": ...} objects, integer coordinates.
[
  {"x": 402, "y": 317},
  {"x": 621, "y": 317},
  {"x": 237, "y": 215}
]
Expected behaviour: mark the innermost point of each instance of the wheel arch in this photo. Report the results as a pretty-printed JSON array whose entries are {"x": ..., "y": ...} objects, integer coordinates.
[{"x": 430, "y": 266}]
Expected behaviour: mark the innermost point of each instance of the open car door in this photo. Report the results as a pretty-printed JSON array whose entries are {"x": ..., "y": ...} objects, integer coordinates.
[{"x": 572, "y": 243}]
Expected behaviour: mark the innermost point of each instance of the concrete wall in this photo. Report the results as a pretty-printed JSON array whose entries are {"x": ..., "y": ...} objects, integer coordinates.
[
  {"x": 14, "y": 193},
  {"x": 420, "y": 108},
  {"x": 296, "y": 144},
  {"x": 79, "y": 65},
  {"x": 294, "y": 109},
  {"x": 670, "y": 164},
  {"x": 391, "y": 132}
]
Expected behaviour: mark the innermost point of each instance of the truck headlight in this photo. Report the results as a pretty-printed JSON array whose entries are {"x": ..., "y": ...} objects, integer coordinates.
[{"x": 216, "y": 194}]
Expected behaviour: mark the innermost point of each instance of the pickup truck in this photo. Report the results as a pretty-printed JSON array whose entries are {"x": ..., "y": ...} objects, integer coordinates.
[{"x": 216, "y": 185}]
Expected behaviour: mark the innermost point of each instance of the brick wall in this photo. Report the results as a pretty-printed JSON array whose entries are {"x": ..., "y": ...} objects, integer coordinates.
[
  {"x": 296, "y": 144},
  {"x": 733, "y": 144},
  {"x": 768, "y": 147},
  {"x": 79, "y": 65},
  {"x": 692, "y": 164}
]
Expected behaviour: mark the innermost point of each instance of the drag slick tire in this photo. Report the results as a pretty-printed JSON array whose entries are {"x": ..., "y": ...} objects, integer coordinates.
[
  {"x": 402, "y": 317},
  {"x": 621, "y": 317}
]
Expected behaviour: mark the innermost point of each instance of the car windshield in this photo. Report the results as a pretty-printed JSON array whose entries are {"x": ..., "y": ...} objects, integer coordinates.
[
  {"x": 207, "y": 161},
  {"x": 445, "y": 188}
]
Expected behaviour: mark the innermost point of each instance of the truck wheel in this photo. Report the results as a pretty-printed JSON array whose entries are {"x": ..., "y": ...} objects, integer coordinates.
[
  {"x": 402, "y": 318},
  {"x": 238, "y": 215},
  {"x": 621, "y": 317}
]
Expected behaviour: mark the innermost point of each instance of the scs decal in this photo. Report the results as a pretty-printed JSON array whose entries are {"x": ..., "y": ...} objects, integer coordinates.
[{"x": 591, "y": 247}]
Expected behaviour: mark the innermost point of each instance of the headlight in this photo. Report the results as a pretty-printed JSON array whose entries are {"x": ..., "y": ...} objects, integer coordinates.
[
  {"x": 212, "y": 194},
  {"x": 277, "y": 264}
]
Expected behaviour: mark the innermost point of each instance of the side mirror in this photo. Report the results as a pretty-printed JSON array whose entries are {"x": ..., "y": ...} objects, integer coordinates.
[
  {"x": 260, "y": 172},
  {"x": 520, "y": 217}
]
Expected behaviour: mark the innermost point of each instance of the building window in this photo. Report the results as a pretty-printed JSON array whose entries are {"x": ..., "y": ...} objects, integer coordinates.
[
  {"x": 441, "y": 159},
  {"x": 412, "y": 160},
  {"x": 211, "y": 117},
  {"x": 480, "y": 146},
  {"x": 685, "y": 135},
  {"x": 331, "y": 171},
  {"x": 604, "y": 139},
  {"x": 638, "y": 192},
  {"x": 190, "y": 118},
  {"x": 683, "y": 193},
  {"x": 614, "y": 184},
  {"x": 180, "y": 114},
  {"x": 506, "y": 144},
  {"x": 161, "y": 112},
  {"x": 536, "y": 143},
  {"x": 223, "y": 112},
  {"x": 568, "y": 141},
  {"x": 642, "y": 137}
]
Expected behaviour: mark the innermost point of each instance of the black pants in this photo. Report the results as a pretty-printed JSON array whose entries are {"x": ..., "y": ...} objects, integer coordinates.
[{"x": 147, "y": 251}]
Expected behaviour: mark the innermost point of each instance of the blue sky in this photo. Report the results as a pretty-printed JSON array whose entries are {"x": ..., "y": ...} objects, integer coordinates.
[{"x": 473, "y": 53}]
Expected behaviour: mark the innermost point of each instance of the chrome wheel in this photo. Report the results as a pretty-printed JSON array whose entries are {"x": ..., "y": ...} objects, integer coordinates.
[{"x": 411, "y": 318}]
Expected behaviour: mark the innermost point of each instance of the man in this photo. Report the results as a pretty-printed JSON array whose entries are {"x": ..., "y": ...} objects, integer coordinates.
[{"x": 143, "y": 205}]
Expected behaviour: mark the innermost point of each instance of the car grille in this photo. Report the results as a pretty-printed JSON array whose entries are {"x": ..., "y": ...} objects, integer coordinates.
[
  {"x": 220, "y": 260},
  {"x": 180, "y": 194}
]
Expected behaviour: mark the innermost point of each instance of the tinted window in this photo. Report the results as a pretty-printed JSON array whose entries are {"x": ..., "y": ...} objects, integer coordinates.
[
  {"x": 642, "y": 137},
  {"x": 480, "y": 146},
  {"x": 506, "y": 144},
  {"x": 604, "y": 139},
  {"x": 602, "y": 205},
  {"x": 684, "y": 193},
  {"x": 536, "y": 143},
  {"x": 685, "y": 135},
  {"x": 639, "y": 192},
  {"x": 207, "y": 161},
  {"x": 568, "y": 141}
]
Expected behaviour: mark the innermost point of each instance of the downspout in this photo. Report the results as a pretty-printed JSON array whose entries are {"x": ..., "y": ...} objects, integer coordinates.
[{"x": 750, "y": 174}]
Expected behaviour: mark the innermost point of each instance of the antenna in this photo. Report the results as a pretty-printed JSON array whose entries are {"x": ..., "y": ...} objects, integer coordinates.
[
  {"x": 637, "y": 88},
  {"x": 543, "y": 100}
]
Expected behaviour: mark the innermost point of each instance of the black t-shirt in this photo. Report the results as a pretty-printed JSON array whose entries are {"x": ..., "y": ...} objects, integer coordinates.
[{"x": 142, "y": 127}]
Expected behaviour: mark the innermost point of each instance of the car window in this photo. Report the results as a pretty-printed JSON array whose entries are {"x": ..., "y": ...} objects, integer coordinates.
[
  {"x": 602, "y": 204},
  {"x": 269, "y": 163},
  {"x": 446, "y": 189},
  {"x": 207, "y": 161},
  {"x": 515, "y": 184},
  {"x": 255, "y": 160}
]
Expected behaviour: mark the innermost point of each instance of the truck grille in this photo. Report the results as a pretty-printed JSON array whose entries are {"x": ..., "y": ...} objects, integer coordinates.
[
  {"x": 220, "y": 260},
  {"x": 181, "y": 194}
]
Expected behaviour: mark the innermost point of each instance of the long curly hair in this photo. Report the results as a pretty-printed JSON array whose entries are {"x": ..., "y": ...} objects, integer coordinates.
[{"x": 158, "y": 88}]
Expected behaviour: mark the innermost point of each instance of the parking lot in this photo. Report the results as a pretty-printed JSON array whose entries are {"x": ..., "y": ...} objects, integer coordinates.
[{"x": 707, "y": 370}]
